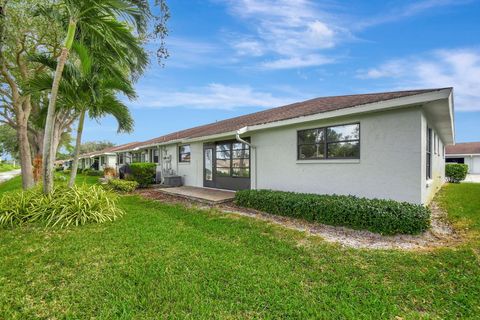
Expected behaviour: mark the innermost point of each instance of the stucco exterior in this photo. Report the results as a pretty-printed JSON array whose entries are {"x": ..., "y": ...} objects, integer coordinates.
[
  {"x": 389, "y": 166},
  {"x": 391, "y": 163},
  {"x": 431, "y": 186}
]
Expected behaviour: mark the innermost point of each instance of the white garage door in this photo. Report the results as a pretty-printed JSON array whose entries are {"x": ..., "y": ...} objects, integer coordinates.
[
  {"x": 473, "y": 164},
  {"x": 476, "y": 165}
]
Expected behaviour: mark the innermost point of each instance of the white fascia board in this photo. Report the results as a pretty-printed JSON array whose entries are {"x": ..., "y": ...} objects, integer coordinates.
[
  {"x": 455, "y": 155},
  {"x": 452, "y": 114}
]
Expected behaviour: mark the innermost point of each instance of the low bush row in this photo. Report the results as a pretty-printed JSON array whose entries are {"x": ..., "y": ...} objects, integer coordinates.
[
  {"x": 386, "y": 217},
  {"x": 123, "y": 185},
  {"x": 63, "y": 207}
]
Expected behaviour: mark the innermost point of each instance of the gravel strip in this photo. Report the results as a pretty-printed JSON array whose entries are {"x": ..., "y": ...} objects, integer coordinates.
[{"x": 441, "y": 233}]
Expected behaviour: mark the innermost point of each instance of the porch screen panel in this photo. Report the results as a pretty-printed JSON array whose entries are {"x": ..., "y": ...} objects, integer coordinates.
[
  {"x": 223, "y": 160},
  {"x": 240, "y": 160}
]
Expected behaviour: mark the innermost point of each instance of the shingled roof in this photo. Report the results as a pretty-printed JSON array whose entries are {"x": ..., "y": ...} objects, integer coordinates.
[
  {"x": 463, "y": 148},
  {"x": 294, "y": 110},
  {"x": 291, "y": 111},
  {"x": 126, "y": 146}
]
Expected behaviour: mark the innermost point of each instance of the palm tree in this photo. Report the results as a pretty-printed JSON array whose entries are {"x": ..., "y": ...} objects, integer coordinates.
[
  {"x": 115, "y": 26},
  {"x": 90, "y": 88}
]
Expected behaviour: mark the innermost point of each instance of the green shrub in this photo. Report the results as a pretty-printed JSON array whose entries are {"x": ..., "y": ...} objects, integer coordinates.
[
  {"x": 123, "y": 185},
  {"x": 63, "y": 207},
  {"x": 59, "y": 177},
  {"x": 143, "y": 173},
  {"x": 382, "y": 216},
  {"x": 456, "y": 172},
  {"x": 92, "y": 172},
  {"x": 67, "y": 171}
]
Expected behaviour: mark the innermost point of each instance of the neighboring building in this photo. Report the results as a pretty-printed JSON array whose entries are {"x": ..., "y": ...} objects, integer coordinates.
[
  {"x": 106, "y": 158},
  {"x": 382, "y": 145},
  {"x": 467, "y": 153}
]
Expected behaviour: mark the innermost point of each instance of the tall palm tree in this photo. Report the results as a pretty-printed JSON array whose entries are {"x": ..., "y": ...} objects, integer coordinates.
[
  {"x": 114, "y": 26},
  {"x": 90, "y": 88}
]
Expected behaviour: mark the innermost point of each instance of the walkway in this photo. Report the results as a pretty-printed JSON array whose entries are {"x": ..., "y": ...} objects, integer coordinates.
[
  {"x": 4, "y": 176},
  {"x": 472, "y": 178}
]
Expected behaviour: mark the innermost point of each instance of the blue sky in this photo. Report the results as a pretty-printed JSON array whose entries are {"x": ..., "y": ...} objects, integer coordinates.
[{"x": 232, "y": 57}]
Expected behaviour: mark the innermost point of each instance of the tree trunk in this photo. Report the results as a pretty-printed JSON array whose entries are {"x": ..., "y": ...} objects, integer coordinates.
[
  {"x": 78, "y": 142},
  {"x": 25, "y": 157},
  {"x": 48, "y": 145}
]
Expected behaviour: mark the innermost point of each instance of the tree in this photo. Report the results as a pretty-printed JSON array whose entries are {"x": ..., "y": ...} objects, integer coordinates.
[
  {"x": 90, "y": 88},
  {"x": 91, "y": 146},
  {"x": 115, "y": 25},
  {"x": 22, "y": 33},
  {"x": 8, "y": 141}
]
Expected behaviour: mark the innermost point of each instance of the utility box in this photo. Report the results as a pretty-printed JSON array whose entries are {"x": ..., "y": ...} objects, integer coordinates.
[{"x": 173, "y": 181}]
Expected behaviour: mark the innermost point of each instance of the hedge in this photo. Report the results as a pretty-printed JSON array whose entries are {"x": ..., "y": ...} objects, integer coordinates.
[
  {"x": 92, "y": 172},
  {"x": 123, "y": 185},
  {"x": 143, "y": 172},
  {"x": 386, "y": 217},
  {"x": 456, "y": 172}
]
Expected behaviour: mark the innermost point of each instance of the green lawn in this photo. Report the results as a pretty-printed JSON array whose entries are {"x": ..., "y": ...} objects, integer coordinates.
[
  {"x": 7, "y": 167},
  {"x": 164, "y": 261}
]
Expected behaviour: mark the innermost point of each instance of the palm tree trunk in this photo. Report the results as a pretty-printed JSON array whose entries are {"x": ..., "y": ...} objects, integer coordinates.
[
  {"x": 73, "y": 173},
  {"x": 48, "y": 156}
]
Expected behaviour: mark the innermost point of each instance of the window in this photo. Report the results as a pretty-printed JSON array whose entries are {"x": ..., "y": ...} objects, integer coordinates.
[
  {"x": 155, "y": 155},
  {"x": 142, "y": 157},
  {"x": 429, "y": 154},
  {"x": 184, "y": 153},
  {"x": 120, "y": 158},
  {"x": 338, "y": 142},
  {"x": 233, "y": 160},
  {"x": 209, "y": 164},
  {"x": 135, "y": 157}
]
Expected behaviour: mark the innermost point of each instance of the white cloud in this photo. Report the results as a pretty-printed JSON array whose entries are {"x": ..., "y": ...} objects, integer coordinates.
[
  {"x": 213, "y": 96},
  {"x": 293, "y": 32},
  {"x": 249, "y": 48},
  {"x": 297, "y": 62},
  {"x": 442, "y": 68},
  {"x": 406, "y": 11}
]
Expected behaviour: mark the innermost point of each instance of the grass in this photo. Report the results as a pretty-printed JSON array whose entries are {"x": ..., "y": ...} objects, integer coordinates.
[
  {"x": 4, "y": 167},
  {"x": 462, "y": 202},
  {"x": 164, "y": 261},
  {"x": 16, "y": 183}
]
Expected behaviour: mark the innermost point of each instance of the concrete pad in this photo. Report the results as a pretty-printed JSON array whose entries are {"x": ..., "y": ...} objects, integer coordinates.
[
  {"x": 472, "y": 178},
  {"x": 207, "y": 195}
]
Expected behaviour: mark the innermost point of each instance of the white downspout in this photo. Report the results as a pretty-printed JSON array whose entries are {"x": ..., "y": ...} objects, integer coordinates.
[{"x": 252, "y": 147}]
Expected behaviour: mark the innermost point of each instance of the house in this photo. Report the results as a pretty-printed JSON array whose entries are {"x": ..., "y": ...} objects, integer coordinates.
[
  {"x": 106, "y": 158},
  {"x": 382, "y": 145},
  {"x": 467, "y": 153}
]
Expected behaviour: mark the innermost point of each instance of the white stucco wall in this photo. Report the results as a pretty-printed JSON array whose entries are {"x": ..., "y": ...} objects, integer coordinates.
[
  {"x": 389, "y": 165},
  {"x": 430, "y": 187},
  {"x": 192, "y": 172}
]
